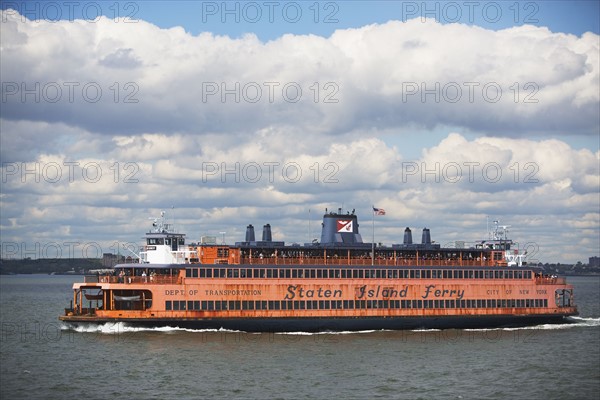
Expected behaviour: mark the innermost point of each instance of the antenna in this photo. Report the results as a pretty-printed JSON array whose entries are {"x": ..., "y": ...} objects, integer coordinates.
[{"x": 309, "y": 225}]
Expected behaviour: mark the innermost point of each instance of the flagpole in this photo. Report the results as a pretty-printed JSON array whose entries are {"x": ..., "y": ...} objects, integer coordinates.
[{"x": 373, "y": 241}]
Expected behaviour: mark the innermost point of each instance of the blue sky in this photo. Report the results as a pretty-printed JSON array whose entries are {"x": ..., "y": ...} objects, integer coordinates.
[
  {"x": 271, "y": 19},
  {"x": 105, "y": 121}
]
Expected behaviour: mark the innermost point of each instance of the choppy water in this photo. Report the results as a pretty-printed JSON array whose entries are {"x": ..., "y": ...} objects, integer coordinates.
[{"x": 41, "y": 360}]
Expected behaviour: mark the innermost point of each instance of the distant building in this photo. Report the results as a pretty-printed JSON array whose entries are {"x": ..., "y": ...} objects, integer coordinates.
[
  {"x": 594, "y": 262},
  {"x": 109, "y": 260}
]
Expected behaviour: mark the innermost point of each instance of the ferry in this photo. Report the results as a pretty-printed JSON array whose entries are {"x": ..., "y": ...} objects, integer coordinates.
[{"x": 337, "y": 283}]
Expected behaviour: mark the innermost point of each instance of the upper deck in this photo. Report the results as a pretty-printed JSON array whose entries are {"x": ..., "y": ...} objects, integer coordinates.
[{"x": 340, "y": 244}]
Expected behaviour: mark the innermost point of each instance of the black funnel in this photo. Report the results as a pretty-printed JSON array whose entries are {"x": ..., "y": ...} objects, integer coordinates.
[
  {"x": 267, "y": 233},
  {"x": 407, "y": 236},
  {"x": 250, "y": 233},
  {"x": 426, "y": 238}
]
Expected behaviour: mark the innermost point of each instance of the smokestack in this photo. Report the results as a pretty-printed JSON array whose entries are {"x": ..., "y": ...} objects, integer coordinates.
[
  {"x": 250, "y": 233},
  {"x": 407, "y": 236},
  {"x": 266, "y": 237},
  {"x": 426, "y": 238}
]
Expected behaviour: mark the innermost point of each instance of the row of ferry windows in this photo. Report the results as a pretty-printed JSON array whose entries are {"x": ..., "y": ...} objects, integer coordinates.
[
  {"x": 354, "y": 273},
  {"x": 209, "y": 305}
]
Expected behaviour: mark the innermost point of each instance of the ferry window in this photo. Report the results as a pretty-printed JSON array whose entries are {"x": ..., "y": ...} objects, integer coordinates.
[
  {"x": 479, "y": 304},
  {"x": 319, "y": 273},
  {"x": 261, "y": 305},
  {"x": 295, "y": 273},
  {"x": 168, "y": 305},
  {"x": 195, "y": 273},
  {"x": 344, "y": 274},
  {"x": 204, "y": 305},
  {"x": 176, "y": 305},
  {"x": 463, "y": 304},
  {"x": 315, "y": 304},
  {"x": 211, "y": 305},
  {"x": 270, "y": 273},
  {"x": 284, "y": 305},
  {"x": 313, "y": 273},
  {"x": 242, "y": 273},
  {"x": 385, "y": 304},
  {"x": 188, "y": 273},
  {"x": 327, "y": 304},
  {"x": 168, "y": 241},
  {"x": 209, "y": 273},
  {"x": 190, "y": 305},
  {"x": 438, "y": 303},
  {"x": 510, "y": 274},
  {"x": 519, "y": 274},
  {"x": 218, "y": 305},
  {"x": 496, "y": 274}
]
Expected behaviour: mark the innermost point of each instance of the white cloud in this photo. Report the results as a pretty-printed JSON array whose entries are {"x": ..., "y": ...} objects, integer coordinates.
[{"x": 225, "y": 164}]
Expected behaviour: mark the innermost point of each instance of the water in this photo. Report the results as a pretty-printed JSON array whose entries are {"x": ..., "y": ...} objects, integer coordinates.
[{"x": 40, "y": 360}]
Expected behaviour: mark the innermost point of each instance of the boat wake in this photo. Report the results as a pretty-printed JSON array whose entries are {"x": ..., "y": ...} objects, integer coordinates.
[{"x": 574, "y": 322}]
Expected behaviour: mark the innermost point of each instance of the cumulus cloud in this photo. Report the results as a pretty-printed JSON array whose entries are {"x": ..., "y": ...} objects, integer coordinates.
[
  {"x": 102, "y": 132},
  {"x": 514, "y": 81}
]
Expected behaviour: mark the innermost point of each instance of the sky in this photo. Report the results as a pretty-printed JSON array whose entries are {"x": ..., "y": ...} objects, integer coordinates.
[{"x": 448, "y": 115}]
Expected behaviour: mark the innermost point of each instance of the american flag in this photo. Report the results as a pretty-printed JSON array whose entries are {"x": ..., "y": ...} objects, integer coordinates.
[{"x": 378, "y": 211}]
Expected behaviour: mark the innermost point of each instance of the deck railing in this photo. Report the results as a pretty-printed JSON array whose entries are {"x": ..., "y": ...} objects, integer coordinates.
[
  {"x": 157, "y": 279},
  {"x": 342, "y": 261},
  {"x": 550, "y": 280}
]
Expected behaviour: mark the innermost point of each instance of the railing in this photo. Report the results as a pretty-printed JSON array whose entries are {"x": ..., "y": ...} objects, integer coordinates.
[
  {"x": 550, "y": 280},
  {"x": 157, "y": 279},
  {"x": 363, "y": 261}
]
